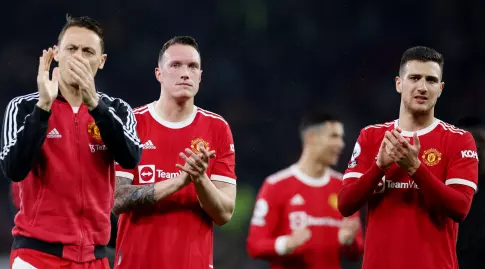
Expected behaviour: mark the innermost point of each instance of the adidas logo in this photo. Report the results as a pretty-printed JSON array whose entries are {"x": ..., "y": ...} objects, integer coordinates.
[
  {"x": 54, "y": 134},
  {"x": 297, "y": 200},
  {"x": 149, "y": 145}
]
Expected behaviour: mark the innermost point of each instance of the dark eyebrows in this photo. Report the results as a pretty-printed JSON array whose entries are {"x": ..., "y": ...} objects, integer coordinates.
[
  {"x": 428, "y": 78},
  {"x": 87, "y": 48}
]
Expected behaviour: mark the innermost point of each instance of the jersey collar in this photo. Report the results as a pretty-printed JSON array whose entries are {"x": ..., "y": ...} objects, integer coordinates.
[
  {"x": 420, "y": 132},
  {"x": 308, "y": 180}
]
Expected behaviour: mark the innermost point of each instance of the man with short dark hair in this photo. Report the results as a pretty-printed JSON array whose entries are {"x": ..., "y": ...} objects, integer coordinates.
[
  {"x": 296, "y": 222},
  {"x": 60, "y": 144},
  {"x": 417, "y": 175},
  {"x": 167, "y": 210}
]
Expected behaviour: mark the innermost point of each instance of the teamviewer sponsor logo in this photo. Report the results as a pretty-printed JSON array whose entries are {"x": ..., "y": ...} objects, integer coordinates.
[
  {"x": 381, "y": 187},
  {"x": 401, "y": 185},
  {"x": 95, "y": 148},
  {"x": 165, "y": 174},
  {"x": 146, "y": 174}
]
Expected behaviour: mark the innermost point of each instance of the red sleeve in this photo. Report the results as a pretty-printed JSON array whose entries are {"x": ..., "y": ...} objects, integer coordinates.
[
  {"x": 463, "y": 166},
  {"x": 15, "y": 193},
  {"x": 361, "y": 177},
  {"x": 263, "y": 241},
  {"x": 453, "y": 197},
  {"x": 225, "y": 161},
  {"x": 354, "y": 251}
]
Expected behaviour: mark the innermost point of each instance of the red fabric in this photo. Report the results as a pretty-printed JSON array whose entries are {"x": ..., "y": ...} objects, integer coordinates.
[
  {"x": 14, "y": 192},
  {"x": 291, "y": 200},
  {"x": 42, "y": 260},
  {"x": 176, "y": 232},
  {"x": 412, "y": 221},
  {"x": 454, "y": 200},
  {"x": 355, "y": 193},
  {"x": 68, "y": 195},
  {"x": 354, "y": 251}
]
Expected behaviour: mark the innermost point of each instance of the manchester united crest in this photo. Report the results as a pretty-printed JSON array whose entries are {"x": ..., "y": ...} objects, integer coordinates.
[
  {"x": 197, "y": 143},
  {"x": 333, "y": 201},
  {"x": 93, "y": 131},
  {"x": 431, "y": 157}
]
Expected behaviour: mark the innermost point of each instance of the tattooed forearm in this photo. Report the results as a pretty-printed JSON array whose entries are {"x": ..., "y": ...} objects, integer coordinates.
[{"x": 128, "y": 197}]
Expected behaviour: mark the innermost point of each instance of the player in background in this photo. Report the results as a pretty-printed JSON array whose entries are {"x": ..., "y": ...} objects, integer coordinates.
[
  {"x": 417, "y": 174},
  {"x": 470, "y": 247},
  {"x": 60, "y": 144},
  {"x": 167, "y": 210},
  {"x": 296, "y": 223}
]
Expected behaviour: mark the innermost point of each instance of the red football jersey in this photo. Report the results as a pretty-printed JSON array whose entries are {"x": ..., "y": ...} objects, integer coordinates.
[
  {"x": 402, "y": 230},
  {"x": 175, "y": 232},
  {"x": 290, "y": 200}
]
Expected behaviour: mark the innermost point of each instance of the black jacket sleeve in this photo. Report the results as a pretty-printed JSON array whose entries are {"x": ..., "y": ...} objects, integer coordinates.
[
  {"x": 23, "y": 133},
  {"x": 117, "y": 126}
]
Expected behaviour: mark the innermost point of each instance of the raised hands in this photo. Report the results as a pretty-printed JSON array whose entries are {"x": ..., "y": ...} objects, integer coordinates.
[
  {"x": 399, "y": 150},
  {"x": 48, "y": 88},
  {"x": 196, "y": 164},
  {"x": 80, "y": 71},
  {"x": 298, "y": 238},
  {"x": 348, "y": 230}
]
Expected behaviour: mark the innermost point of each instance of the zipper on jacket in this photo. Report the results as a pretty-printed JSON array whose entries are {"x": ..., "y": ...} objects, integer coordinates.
[{"x": 81, "y": 213}]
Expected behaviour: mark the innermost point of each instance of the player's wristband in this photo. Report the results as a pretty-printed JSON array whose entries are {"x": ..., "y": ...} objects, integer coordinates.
[{"x": 280, "y": 245}]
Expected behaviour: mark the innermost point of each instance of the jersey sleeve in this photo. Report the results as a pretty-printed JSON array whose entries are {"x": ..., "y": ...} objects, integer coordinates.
[
  {"x": 463, "y": 166},
  {"x": 362, "y": 178},
  {"x": 362, "y": 158},
  {"x": 262, "y": 241},
  {"x": 140, "y": 130},
  {"x": 225, "y": 161},
  {"x": 123, "y": 172},
  {"x": 117, "y": 125},
  {"x": 23, "y": 133}
]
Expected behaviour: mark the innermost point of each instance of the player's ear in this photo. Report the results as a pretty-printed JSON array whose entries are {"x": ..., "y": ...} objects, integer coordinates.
[
  {"x": 200, "y": 78},
  {"x": 102, "y": 61},
  {"x": 158, "y": 74},
  {"x": 398, "y": 84},
  {"x": 56, "y": 53},
  {"x": 442, "y": 86}
]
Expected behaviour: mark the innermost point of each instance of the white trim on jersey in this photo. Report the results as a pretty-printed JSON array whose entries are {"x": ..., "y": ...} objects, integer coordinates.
[
  {"x": 352, "y": 175},
  {"x": 169, "y": 124},
  {"x": 311, "y": 181},
  {"x": 420, "y": 132},
  {"x": 211, "y": 114},
  {"x": 461, "y": 181},
  {"x": 125, "y": 175},
  {"x": 129, "y": 128},
  {"x": 10, "y": 128},
  {"x": 280, "y": 245},
  {"x": 223, "y": 179}
]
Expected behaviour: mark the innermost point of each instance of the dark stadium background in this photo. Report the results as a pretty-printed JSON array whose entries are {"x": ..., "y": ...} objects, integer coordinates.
[{"x": 264, "y": 62}]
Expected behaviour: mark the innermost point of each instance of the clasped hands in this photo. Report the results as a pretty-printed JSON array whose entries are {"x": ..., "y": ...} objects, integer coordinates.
[
  {"x": 397, "y": 149},
  {"x": 196, "y": 164}
]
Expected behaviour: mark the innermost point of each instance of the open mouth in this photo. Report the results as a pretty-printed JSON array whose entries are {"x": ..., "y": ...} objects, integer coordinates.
[{"x": 421, "y": 99}]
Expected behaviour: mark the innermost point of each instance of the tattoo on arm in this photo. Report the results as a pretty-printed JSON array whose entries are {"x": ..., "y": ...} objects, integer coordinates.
[{"x": 128, "y": 197}]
